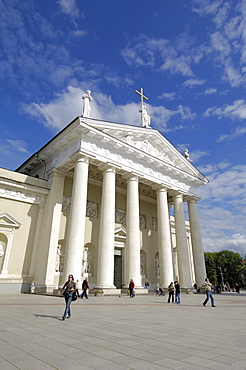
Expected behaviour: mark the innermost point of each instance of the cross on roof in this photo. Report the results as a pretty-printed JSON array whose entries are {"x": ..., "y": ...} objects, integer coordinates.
[{"x": 142, "y": 97}]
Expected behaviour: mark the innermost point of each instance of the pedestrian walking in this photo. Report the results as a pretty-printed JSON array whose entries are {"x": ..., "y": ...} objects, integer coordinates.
[
  {"x": 131, "y": 288},
  {"x": 68, "y": 290},
  {"x": 208, "y": 290},
  {"x": 170, "y": 292},
  {"x": 177, "y": 292},
  {"x": 146, "y": 284},
  {"x": 85, "y": 286}
]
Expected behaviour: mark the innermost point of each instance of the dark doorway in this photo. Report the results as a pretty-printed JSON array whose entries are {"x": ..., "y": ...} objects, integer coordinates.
[{"x": 118, "y": 271}]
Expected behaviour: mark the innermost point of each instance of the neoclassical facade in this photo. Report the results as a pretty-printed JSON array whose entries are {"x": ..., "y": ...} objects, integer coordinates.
[{"x": 102, "y": 200}]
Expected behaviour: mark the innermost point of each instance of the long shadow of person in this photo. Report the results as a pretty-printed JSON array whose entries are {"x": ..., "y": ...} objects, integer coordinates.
[{"x": 52, "y": 317}]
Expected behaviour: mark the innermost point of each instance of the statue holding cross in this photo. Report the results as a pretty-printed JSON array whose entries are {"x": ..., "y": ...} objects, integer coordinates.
[{"x": 145, "y": 118}]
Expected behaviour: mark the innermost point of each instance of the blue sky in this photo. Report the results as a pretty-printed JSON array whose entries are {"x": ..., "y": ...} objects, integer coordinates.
[{"x": 190, "y": 58}]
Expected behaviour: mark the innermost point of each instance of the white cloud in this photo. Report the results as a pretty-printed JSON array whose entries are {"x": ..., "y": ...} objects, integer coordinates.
[
  {"x": 68, "y": 104},
  {"x": 205, "y": 7},
  {"x": 160, "y": 54},
  {"x": 196, "y": 155},
  {"x": 18, "y": 145},
  {"x": 222, "y": 14},
  {"x": 170, "y": 96},
  {"x": 69, "y": 7},
  {"x": 193, "y": 82},
  {"x": 222, "y": 216},
  {"x": 178, "y": 65},
  {"x": 210, "y": 91},
  {"x": 234, "y": 134},
  {"x": 185, "y": 113},
  {"x": 236, "y": 110}
]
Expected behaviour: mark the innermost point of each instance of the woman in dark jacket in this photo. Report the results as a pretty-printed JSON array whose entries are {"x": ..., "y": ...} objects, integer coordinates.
[{"x": 68, "y": 289}]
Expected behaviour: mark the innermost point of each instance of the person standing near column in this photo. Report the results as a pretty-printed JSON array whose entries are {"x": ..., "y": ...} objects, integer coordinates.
[
  {"x": 170, "y": 292},
  {"x": 68, "y": 290},
  {"x": 146, "y": 284},
  {"x": 85, "y": 286},
  {"x": 177, "y": 292},
  {"x": 131, "y": 288},
  {"x": 208, "y": 289}
]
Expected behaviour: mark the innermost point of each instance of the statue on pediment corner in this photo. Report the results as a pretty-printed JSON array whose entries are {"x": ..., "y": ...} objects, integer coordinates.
[{"x": 86, "y": 112}]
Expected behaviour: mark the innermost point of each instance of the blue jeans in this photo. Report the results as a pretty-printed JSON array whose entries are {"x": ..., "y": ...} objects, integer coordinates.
[
  {"x": 68, "y": 299},
  {"x": 177, "y": 298},
  {"x": 209, "y": 295}
]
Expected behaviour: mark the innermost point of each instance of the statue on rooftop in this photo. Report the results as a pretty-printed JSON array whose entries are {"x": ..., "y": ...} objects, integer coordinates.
[
  {"x": 186, "y": 154},
  {"x": 145, "y": 116},
  {"x": 86, "y": 104}
]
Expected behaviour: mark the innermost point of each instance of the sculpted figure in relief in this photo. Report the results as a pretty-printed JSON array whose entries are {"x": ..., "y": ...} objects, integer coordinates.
[
  {"x": 142, "y": 265},
  {"x": 86, "y": 106},
  {"x": 1, "y": 251},
  {"x": 60, "y": 259},
  {"x": 157, "y": 265},
  {"x": 87, "y": 257}
]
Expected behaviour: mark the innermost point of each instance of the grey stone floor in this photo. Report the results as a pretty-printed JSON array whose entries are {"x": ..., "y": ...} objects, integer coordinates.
[{"x": 121, "y": 333}]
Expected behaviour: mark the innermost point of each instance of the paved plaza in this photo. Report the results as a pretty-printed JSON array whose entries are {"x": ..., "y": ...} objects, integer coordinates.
[{"x": 121, "y": 333}]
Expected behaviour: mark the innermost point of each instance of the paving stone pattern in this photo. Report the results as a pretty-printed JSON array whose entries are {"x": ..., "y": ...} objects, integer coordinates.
[{"x": 121, "y": 333}]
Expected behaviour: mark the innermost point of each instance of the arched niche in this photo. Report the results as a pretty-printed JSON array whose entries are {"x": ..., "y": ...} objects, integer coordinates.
[{"x": 3, "y": 246}]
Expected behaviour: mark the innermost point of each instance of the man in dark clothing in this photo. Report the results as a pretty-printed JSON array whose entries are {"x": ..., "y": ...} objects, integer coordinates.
[
  {"x": 177, "y": 292},
  {"x": 85, "y": 286}
]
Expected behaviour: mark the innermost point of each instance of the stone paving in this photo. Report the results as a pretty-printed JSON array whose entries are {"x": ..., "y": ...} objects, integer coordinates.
[{"x": 121, "y": 333}]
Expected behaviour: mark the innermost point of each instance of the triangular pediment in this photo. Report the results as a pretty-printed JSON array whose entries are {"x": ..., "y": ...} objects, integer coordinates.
[
  {"x": 148, "y": 141},
  {"x": 7, "y": 221},
  {"x": 120, "y": 232}
]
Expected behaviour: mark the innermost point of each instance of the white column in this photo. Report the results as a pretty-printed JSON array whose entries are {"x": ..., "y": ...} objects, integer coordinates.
[
  {"x": 76, "y": 231},
  {"x": 133, "y": 233},
  {"x": 164, "y": 238},
  {"x": 181, "y": 242},
  {"x": 196, "y": 240},
  {"x": 105, "y": 269},
  {"x": 46, "y": 256}
]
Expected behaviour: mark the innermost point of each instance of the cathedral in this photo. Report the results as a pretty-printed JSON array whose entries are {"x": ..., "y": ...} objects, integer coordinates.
[{"x": 101, "y": 200}]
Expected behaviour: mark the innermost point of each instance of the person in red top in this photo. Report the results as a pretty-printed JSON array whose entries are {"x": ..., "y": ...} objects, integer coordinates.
[{"x": 131, "y": 288}]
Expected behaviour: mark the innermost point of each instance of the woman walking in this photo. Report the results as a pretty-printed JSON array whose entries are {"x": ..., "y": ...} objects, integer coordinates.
[{"x": 68, "y": 290}]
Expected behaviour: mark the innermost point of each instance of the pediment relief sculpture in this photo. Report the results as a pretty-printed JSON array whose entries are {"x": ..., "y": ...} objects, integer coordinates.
[{"x": 147, "y": 147}]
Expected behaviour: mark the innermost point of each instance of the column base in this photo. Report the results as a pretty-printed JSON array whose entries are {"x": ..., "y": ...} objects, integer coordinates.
[
  {"x": 105, "y": 291},
  {"x": 187, "y": 290},
  {"x": 45, "y": 289},
  {"x": 138, "y": 290}
]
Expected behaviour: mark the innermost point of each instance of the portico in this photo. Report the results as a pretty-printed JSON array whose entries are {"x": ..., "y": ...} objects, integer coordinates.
[{"x": 111, "y": 188}]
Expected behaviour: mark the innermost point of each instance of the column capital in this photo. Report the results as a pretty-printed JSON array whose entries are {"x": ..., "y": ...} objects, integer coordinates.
[
  {"x": 178, "y": 196},
  {"x": 132, "y": 177},
  {"x": 189, "y": 199},
  {"x": 80, "y": 156},
  {"x": 107, "y": 167}
]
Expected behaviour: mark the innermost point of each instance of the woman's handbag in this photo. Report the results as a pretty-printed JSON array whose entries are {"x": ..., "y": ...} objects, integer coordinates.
[{"x": 74, "y": 296}]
